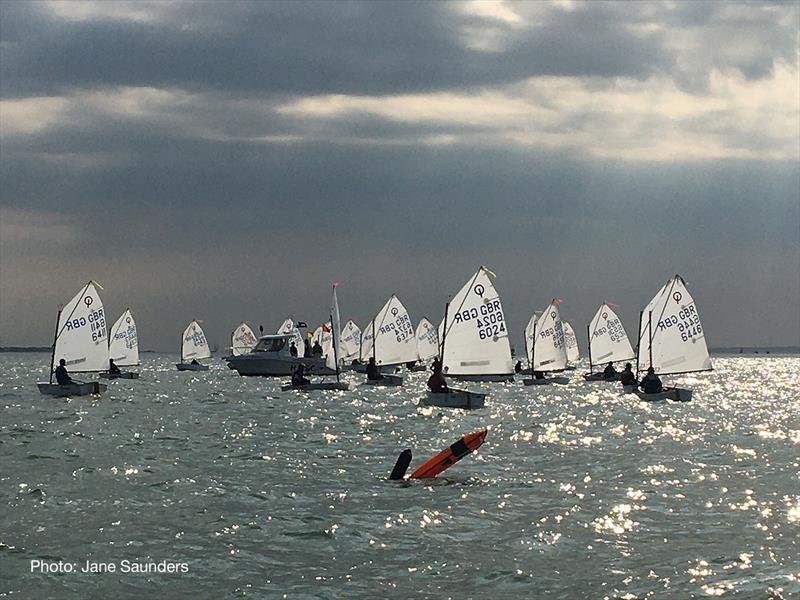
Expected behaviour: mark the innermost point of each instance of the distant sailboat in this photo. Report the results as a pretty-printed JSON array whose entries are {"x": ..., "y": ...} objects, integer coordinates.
[
  {"x": 544, "y": 338},
  {"x": 332, "y": 361},
  {"x": 289, "y": 327},
  {"x": 392, "y": 342},
  {"x": 123, "y": 347},
  {"x": 608, "y": 342},
  {"x": 243, "y": 340},
  {"x": 427, "y": 341},
  {"x": 671, "y": 338},
  {"x": 573, "y": 353},
  {"x": 81, "y": 339},
  {"x": 351, "y": 342},
  {"x": 194, "y": 347},
  {"x": 477, "y": 337}
]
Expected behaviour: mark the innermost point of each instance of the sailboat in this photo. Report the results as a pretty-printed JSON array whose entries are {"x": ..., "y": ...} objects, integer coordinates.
[
  {"x": 243, "y": 340},
  {"x": 452, "y": 398},
  {"x": 477, "y": 337},
  {"x": 123, "y": 347},
  {"x": 671, "y": 339},
  {"x": 427, "y": 343},
  {"x": 351, "y": 342},
  {"x": 194, "y": 347},
  {"x": 392, "y": 342},
  {"x": 81, "y": 340},
  {"x": 573, "y": 353},
  {"x": 332, "y": 361},
  {"x": 544, "y": 339},
  {"x": 608, "y": 342}
]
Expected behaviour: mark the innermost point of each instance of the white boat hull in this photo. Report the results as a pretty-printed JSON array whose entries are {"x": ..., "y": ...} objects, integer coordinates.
[
  {"x": 386, "y": 381},
  {"x": 72, "y": 389},
  {"x": 324, "y": 385},
  {"x": 256, "y": 364},
  {"x": 191, "y": 367},
  {"x": 676, "y": 394},
  {"x": 125, "y": 375},
  {"x": 454, "y": 399},
  {"x": 546, "y": 381}
]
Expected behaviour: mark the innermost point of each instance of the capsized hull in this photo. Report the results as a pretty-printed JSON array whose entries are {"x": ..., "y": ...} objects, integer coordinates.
[
  {"x": 72, "y": 389},
  {"x": 454, "y": 399},
  {"x": 256, "y": 364},
  {"x": 191, "y": 367}
]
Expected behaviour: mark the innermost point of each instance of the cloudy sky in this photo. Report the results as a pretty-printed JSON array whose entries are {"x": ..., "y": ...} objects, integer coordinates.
[{"x": 229, "y": 160}]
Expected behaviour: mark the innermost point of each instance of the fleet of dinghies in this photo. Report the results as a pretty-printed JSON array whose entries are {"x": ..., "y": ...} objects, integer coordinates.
[{"x": 470, "y": 343}]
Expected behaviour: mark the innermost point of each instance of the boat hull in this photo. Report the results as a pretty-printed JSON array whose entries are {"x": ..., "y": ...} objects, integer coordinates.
[
  {"x": 72, "y": 389},
  {"x": 324, "y": 385},
  {"x": 629, "y": 389},
  {"x": 454, "y": 399},
  {"x": 191, "y": 367},
  {"x": 125, "y": 375},
  {"x": 546, "y": 381},
  {"x": 386, "y": 381},
  {"x": 253, "y": 365},
  {"x": 676, "y": 394},
  {"x": 597, "y": 377},
  {"x": 497, "y": 378}
]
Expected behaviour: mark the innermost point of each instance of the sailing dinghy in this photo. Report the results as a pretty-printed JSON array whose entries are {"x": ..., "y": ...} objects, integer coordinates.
[
  {"x": 332, "y": 359},
  {"x": 608, "y": 342},
  {"x": 393, "y": 341},
  {"x": 671, "y": 339},
  {"x": 544, "y": 340},
  {"x": 194, "y": 347},
  {"x": 81, "y": 339},
  {"x": 427, "y": 343},
  {"x": 351, "y": 342},
  {"x": 573, "y": 353},
  {"x": 477, "y": 346},
  {"x": 243, "y": 340},
  {"x": 123, "y": 347}
]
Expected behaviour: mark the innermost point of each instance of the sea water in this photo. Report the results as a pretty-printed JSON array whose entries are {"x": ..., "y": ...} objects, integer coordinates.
[{"x": 211, "y": 485}]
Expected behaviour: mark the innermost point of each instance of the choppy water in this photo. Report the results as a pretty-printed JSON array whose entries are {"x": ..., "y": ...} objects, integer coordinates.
[{"x": 578, "y": 492}]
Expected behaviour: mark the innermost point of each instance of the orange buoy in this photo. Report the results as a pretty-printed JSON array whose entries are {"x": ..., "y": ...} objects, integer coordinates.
[{"x": 447, "y": 458}]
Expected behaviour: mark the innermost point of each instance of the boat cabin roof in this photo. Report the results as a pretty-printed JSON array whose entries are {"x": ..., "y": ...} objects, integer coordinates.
[{"x": 276, "y": 336}]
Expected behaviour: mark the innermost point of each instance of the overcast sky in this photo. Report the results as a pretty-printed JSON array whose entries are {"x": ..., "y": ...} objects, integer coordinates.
[{"x": 227, "y": 161}]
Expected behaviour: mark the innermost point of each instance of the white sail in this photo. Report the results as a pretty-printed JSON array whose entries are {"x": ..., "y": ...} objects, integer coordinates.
[
  {"x": 573, "y": 354},
  {"x": 608, "y": 341},
  {"x": 365, "y": 351},
  {"x": 287, "y": 327},
  {"x": 427, "y": 340},
  {"x": 123, "y": 344},
  {"x": 476, "y": 336},
  {"x": 322, "y": 334},
  {"x": 655, "y": 306},
  {"x": 676, "y": 338},
  {"x": 546, "y": 346},
  {"x": 243, "y": 340},
  {"x": 332, "y": 356},
  {"x": 395, "y": 342},
  {"x": 194, "y": 345},
  {"x": 351, "y": 342},
  {"x": 82, "y": 337}
]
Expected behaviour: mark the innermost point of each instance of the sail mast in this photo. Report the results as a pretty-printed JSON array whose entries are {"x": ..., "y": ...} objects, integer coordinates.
[
  {"x": 335, "y": 357},
  {"x": 533, "y": 343},
  {"x": 589, "y": 333},
  {"x": 374, "y": 352},
  {"x": 53, "y": 353},
  {"x": 639, "y": 342},
  {"x": 444, "y": 334},
  {"x": 650, "y": 335}
]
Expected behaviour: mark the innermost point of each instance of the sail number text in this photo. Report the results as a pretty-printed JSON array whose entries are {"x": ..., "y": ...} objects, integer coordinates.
[
  {"x": 614, "y": 330},
  {"x": 488, "y": 318},
  {"x": 401, "y": 328},
  {"x": 95, "y": 319},
  {"x": 687, "y": 322}
]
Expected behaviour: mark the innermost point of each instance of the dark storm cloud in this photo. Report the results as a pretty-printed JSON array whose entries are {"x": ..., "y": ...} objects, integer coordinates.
[{"x": 309, "y": 48}]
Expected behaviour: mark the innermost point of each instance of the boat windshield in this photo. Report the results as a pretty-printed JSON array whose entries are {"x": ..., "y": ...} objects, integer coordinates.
[{"x": 271, "y": 345}]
